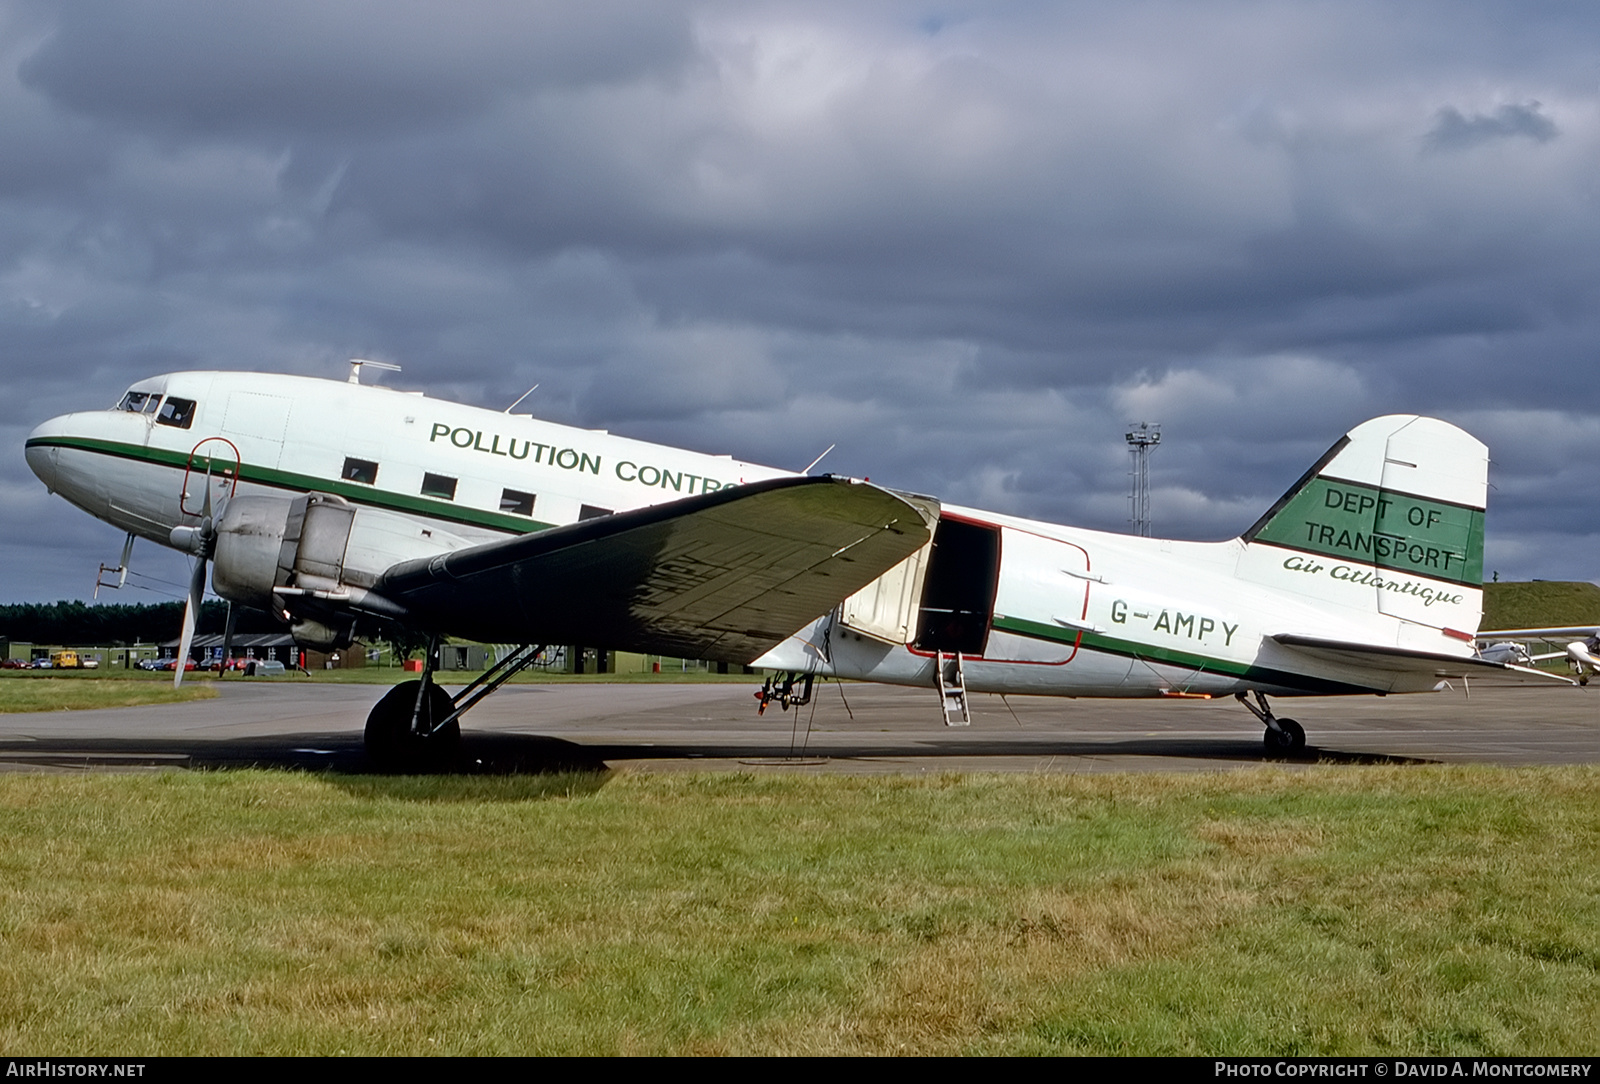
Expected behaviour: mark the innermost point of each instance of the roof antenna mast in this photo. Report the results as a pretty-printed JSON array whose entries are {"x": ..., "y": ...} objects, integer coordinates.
[{"x": 521, "y": 397}]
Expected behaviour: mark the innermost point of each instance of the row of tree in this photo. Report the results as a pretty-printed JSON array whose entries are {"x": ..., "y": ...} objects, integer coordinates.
[{"x": 79, "y": 623}]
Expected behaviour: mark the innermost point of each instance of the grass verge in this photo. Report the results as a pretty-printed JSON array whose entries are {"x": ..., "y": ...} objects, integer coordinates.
[
  {"x": 29, "y": 692},
  {"x": 384, "y": 675},
  {"x": 1326, "y": 911},
  {"x": 1540, "y": 604},
  {"x": 379, "y": 675}
]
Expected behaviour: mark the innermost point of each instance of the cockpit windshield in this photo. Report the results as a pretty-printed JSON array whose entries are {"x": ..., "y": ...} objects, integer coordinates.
[
  {"x": 176, "y": 412},
  {"x": 140, "y": 402},
  {"x": 172, "y": 410}
]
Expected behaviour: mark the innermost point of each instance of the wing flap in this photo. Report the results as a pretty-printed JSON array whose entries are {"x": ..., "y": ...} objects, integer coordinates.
[
  {"x": 724, "y": 576},
  {"x": 1410, "y": 671}
]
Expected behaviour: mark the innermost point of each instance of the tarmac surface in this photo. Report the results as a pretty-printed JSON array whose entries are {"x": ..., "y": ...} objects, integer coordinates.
[{"x": 860, "y": 729}]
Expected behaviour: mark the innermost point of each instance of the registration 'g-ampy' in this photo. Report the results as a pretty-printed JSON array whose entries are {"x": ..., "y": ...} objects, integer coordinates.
[{"x": 330, "y": 503}]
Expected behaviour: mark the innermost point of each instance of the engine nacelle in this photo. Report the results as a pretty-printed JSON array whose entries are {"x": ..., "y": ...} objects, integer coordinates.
[
  {"x": 314, "y": 559},
  {"x": 250, "y": 536}
]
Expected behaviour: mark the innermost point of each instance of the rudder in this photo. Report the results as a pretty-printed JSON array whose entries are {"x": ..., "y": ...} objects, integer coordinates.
[{"x": 1390, "y": 519}]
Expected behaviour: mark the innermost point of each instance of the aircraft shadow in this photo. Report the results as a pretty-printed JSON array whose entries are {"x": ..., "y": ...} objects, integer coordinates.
[
  {"x": 1154, "y": 748},
  {"x": 500, "y": 754},
  {"x": 342, "y": 753}
]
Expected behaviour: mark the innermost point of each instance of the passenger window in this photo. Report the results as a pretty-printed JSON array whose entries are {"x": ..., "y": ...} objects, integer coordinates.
[
  {"x": 176, "y": 412},
  {"x": 516, "y": 502},
  {"x": 360, "y": 470},
  {"x": 590, "y": 511},
  {"x": 437, "y": 485}
]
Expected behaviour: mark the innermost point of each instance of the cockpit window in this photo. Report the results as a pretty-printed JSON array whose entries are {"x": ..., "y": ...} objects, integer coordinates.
[
  {"x": 140, "y": 402},
  {"x": 176, "y": 412}
]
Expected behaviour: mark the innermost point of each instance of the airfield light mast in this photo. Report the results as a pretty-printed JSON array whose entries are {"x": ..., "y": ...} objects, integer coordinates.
[{"x": 1142, "y": 439}]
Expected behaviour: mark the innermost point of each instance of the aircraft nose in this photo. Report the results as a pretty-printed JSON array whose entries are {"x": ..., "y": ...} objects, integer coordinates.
[{"x": 42, "y": 452}]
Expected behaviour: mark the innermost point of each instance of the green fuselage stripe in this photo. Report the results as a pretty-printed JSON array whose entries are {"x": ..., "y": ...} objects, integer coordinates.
[
  {"x": 356, "y": 493},
  {"x": 1132, "y": 649}
]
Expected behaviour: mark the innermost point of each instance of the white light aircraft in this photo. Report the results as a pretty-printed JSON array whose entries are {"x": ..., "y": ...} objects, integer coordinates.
[
  {"x": 1510, "y": 645},
  {"x": 331, "y": 503}
]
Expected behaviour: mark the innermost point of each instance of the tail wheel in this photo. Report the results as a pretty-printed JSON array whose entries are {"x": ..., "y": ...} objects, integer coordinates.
[{"x": 391, "y": 742}]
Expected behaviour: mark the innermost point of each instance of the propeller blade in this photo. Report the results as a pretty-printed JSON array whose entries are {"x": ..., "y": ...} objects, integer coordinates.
[
  {"x": 197, "y": 587},
  {"x": 205, "y": 504},
  {"x": 227, "y": 639},
  {"x": 191, "y": 614}
]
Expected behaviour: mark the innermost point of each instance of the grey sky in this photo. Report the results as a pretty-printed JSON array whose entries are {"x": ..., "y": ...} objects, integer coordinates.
[{"x": 966, "y": 242}]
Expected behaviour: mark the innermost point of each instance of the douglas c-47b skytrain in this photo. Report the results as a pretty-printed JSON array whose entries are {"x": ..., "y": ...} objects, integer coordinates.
[{"x": 331, "y": 503}]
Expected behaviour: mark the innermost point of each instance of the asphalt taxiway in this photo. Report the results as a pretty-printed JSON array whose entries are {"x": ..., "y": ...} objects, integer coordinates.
[{"x": 850, "y": 728}]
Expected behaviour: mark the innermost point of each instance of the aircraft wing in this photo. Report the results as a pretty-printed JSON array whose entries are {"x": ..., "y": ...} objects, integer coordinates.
[
  {"x": 1401, "y": 669},
  {"x": 724, "y": 576}
]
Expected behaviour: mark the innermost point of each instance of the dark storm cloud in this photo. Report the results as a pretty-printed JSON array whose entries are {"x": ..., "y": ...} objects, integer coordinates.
[
  {"x": 354, "y": 69},
  {"x": 966, "y": 243},
  {"x": 1453, "y": 131}
]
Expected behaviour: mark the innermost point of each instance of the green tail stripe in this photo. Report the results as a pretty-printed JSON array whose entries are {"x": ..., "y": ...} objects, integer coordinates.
[{"x": 1351, "y": 521}]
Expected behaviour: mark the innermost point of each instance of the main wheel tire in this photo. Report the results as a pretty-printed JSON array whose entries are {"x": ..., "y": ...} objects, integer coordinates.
[
  {"x": 1289, "y": 738},
  {"x": 390, "y": 742},
  {"x": 1295, "y": 733}
]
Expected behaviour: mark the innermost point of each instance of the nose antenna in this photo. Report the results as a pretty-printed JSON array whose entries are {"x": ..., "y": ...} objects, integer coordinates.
[{"x": 357, "y": 363}]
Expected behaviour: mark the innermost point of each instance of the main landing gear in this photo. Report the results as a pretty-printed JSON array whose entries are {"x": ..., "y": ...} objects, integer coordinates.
[
  {"x": 788, "y": 690},
  {"x": 1283, "y": 735},
  {"x": 416, "y": 727}
]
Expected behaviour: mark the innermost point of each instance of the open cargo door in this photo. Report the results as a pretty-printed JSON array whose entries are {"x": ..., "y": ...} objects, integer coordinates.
[
  {"x": 886, "y": 609},
  {"x": 959, "y": 587}
]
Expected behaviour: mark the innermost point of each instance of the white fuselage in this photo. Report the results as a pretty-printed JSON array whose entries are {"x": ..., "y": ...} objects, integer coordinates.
[
  {"x": 295, "y": 435},
  {"x": 1064, "y": 611},
  {"x": 1095, "y": 614}
]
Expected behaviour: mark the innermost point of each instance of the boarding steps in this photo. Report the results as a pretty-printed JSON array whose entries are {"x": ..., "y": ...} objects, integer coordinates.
[{"x": 952, "y": 689}]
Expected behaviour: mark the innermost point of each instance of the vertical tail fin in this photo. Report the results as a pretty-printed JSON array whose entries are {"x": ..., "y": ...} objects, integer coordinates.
[{"x": 1390, "y": 520}]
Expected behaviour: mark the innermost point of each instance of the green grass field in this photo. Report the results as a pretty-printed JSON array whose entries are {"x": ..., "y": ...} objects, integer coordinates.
[
  {"x": 1322, "y": 911},
  {"x": 386, "y": 675},
  {"x": 35, "y": 690},
  {"x": 66, "y": 690}
]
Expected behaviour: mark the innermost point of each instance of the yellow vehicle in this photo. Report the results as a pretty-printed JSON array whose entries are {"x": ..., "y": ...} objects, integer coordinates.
[{"x": 71, "y": 660}]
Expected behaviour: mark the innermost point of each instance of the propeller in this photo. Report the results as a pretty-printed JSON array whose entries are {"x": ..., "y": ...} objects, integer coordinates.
[
  {"x": 199, "y": 540},
  {"x": 227, "y": 638},
  {"x": 191, "y": 613}
]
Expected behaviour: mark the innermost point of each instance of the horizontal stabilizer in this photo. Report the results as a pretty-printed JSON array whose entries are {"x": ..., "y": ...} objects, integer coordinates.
[
  {"x": 724, "y": 576},
  {"x": 1413, "y": 671},
  {"x": 1570, "y": 632}
]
